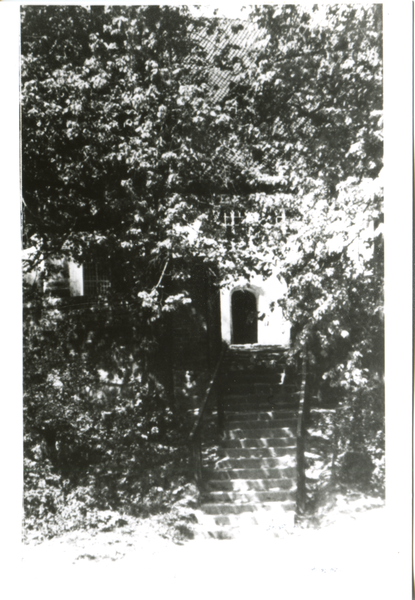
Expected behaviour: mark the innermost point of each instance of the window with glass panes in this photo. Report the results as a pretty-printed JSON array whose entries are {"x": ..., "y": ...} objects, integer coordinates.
[{"x": 96, "y": 276}]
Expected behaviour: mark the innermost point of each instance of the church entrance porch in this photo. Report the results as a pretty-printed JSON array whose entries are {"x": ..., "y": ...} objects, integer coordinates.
[{"x": 250, "y": 313}]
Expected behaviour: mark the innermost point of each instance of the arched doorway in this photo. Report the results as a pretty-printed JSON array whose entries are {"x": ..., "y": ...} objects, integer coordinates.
[{"x": 244, "y": 318}]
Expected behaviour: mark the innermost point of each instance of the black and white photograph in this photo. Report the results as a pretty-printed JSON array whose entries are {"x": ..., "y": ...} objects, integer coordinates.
[{"x": 202, "y": 226}]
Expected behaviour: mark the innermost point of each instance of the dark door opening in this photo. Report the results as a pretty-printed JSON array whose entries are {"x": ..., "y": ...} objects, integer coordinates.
[{"x": 244, "y": 318}]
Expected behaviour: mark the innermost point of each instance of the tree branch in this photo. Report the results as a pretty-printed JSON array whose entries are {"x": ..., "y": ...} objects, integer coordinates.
[{"x": 161, "y": 276}]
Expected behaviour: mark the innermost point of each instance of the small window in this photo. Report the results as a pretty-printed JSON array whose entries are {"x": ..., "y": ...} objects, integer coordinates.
[
  {"x": 231, "y": 220},
  {"x": 96, "y": 279},
  {"x": 280, "y": 216}
]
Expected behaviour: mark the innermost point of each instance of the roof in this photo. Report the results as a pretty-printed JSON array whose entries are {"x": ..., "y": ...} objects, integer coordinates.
[{"x": 231, "y": 48}]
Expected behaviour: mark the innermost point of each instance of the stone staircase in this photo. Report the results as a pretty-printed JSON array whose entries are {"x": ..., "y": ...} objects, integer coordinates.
[{"x": 251, "y": 484}]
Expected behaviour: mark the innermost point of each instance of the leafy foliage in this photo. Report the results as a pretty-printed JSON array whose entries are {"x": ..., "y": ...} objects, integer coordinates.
[
  {"x": 313, "y": 112},
  {"x": 119, "y": 139},
  {"x": 127, "y": 157},
  {"x": 91, "y": 442}
]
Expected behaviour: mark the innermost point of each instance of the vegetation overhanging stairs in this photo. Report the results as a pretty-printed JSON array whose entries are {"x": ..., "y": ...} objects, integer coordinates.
[{"x": 251, "y": 478}]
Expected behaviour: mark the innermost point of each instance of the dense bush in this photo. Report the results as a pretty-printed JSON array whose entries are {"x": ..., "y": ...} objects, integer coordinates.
[
  {"x": 98, "y": 435},
  {"x": 345, "y": 445}
]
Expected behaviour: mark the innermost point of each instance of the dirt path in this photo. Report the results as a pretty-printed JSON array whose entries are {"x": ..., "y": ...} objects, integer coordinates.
[{"x": 346, "y": 559}]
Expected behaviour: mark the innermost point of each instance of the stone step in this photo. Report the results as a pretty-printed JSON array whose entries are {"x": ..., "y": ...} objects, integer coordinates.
[
  {"x": 239, "y": 400},
  {"x": 245, "y": 387},
  {"x": 256, "y": 404},
  {"x": 255, "y": 348},
  {"x": 253, "y": 357},
  {"x": 254, "y": 362},
  {"x": 270, "y": 359},
  {"x": 256, "y": 387},
  {"x": 253, "y": 352},
  {"x": 275, "y": 442},
  {"x": 247, "y": 372},
  {"x": 250, "y": 496},
  {"x": 270, "y": 363},
  {"x": 255, "y": 463},
  {"x": 255, "y": 473},
  {"x": 246, "y": 368},
  {"x": 237, "y": 404},
  {"x": 283, "y": 420},
  {"x": 244, "y": 390},
  {"x": 264, "y": 415},
  {"x": 233, "y": 410},
  {"x": 223, "y": 508},
  {"x": 253, "y": 381},
  {"x": 244, "y": 485},
  {"x": 253, "y": 403},
  {"x": 256, "y": 433},
  {"x": 257, "y": 452}
]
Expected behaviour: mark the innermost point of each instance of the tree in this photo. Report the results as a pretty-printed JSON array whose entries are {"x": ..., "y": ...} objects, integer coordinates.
[
  {"x": 313, "y": 111},
  {"x": 126, "y": 154},
  {"x": 117, "y": 135}
]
